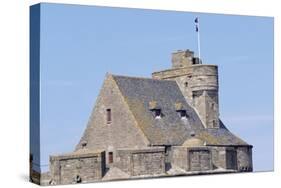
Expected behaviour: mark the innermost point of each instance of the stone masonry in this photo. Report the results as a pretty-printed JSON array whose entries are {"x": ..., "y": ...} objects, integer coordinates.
[
  {"x": 146, "y": 161},
  {"x": 77, "y": 167},
  {"x": 166, "y": 125}
]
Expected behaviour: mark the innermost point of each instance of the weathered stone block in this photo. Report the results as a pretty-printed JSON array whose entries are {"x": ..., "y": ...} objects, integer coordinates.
[
  {"x": 136, "y": 162},
  {"x": 192, "y": 158},
  {"x": 77, "y": 167}
]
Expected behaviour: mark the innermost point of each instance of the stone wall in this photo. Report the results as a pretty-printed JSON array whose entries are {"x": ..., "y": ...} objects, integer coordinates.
[
  {"x": 218, "y": 157},
  {"x": 119, "y": 132},
  {"x": 137, "y": 162},
  {"x": 77, "y": 168},
  {"x": 244, "y": 159},
  {"x": 233, "y": 157},
  {"x": 192, "y": 158},
  {"x": 224, "y": 157}
]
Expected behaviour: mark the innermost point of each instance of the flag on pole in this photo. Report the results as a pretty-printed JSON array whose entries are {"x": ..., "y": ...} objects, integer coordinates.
[
  {"x": 198, "y": 35},
  {"x": 196, "y": 22}
]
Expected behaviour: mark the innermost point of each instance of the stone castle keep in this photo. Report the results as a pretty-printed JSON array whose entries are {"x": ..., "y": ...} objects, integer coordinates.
[{"x": 166, "y": 125}]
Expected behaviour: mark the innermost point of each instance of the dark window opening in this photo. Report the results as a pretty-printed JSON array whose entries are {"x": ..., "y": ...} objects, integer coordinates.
[
  {"x": 108, "y": 115},
  {"x": 186, "y": 84},
  {"x": 231, "y": 159},
  {"x": 196, "y": 60},
  {"x": 78, "y": 179},
  {"x": 182, "y": 114},
  {"x": 110, "y": 157},
  {"x": 213, "y": 106},
  {"x": 168, "y": 157},
  {"x": 214, "y": 123},
  {"x": 157, "y": 113},
  {"x": 194, "y": 94},
  {"x": 84, "y": 144},
  {"x": 192, "y": 133}
]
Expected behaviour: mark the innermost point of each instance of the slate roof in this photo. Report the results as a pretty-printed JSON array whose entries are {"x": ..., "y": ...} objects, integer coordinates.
[
  {"x": 170, "y": 129},
  {"x": 221, "y": 137}
]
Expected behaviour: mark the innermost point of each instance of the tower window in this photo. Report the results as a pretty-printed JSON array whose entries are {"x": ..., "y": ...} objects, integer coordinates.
[
  {"x": 108, "y": 115},
  {"x": 213, "y": 106},
  {"x": 110, "y": 157},
  {"x": 186, "y": 84},
  {"x": 214, "y": 123}
]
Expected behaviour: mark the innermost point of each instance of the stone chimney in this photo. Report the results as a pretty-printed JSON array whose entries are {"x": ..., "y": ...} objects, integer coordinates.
[{"x": 181, "y": 59}]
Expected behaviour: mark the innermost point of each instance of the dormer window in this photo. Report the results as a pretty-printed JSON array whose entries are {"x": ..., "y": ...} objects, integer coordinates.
[
  {"x": 157, "y": 113},
  {"x": 180, "y": 110},
  {"x": 182, "y": 114},
  {"x": 155, "y": 109}
]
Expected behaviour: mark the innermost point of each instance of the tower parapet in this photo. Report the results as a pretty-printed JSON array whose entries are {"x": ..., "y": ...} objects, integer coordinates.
[
  {"x": 182, "y": 59},
  {"x": 198, "y": 83}
]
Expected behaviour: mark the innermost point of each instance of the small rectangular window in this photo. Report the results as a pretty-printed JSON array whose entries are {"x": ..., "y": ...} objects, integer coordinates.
[
  {"x": 213, "y": 106},
  {"x": 108, "y": 115},
  {"x": 110, "y": 157},
  {"x": 182, "y": 114},
  {"x": 214, "y": 123},
  {"x": 158, "y": 113}
]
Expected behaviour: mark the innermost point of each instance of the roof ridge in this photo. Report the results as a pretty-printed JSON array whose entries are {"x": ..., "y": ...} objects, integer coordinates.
[{"x": 138, "y": 77}]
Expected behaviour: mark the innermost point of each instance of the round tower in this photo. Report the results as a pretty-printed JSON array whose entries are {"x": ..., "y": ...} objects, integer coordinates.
[
  {"x": 204, "y": 87},
  {"x": 198, "y": 83}
]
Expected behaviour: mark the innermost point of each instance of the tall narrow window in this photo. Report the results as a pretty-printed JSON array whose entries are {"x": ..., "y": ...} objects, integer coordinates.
[
  {"x": 213, "y": 106},
  {"x": 214, "y": 123},
  {"x": 110, "y": 157},
  {"x": 108, "y": 115}
]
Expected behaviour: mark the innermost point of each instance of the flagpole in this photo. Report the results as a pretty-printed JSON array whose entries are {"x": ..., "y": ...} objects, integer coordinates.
[
  {"x": 198, "y": 42},
  {"x": 198, "y": 37}
]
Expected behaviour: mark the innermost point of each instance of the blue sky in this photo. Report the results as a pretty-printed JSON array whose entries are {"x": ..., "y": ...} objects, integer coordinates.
[{"x": 79, "y": 44}]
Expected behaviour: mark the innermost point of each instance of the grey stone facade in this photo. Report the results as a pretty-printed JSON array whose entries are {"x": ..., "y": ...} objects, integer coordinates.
[
  {"x": 146, "y": 161},
  {"x": 192, "y": 158},
  {"x": 165, "y": 126},
  {"x": 77, "y": 167}
]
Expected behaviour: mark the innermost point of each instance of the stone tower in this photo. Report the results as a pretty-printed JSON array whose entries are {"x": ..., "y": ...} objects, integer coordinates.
[{"x": 198, "y": 83}]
